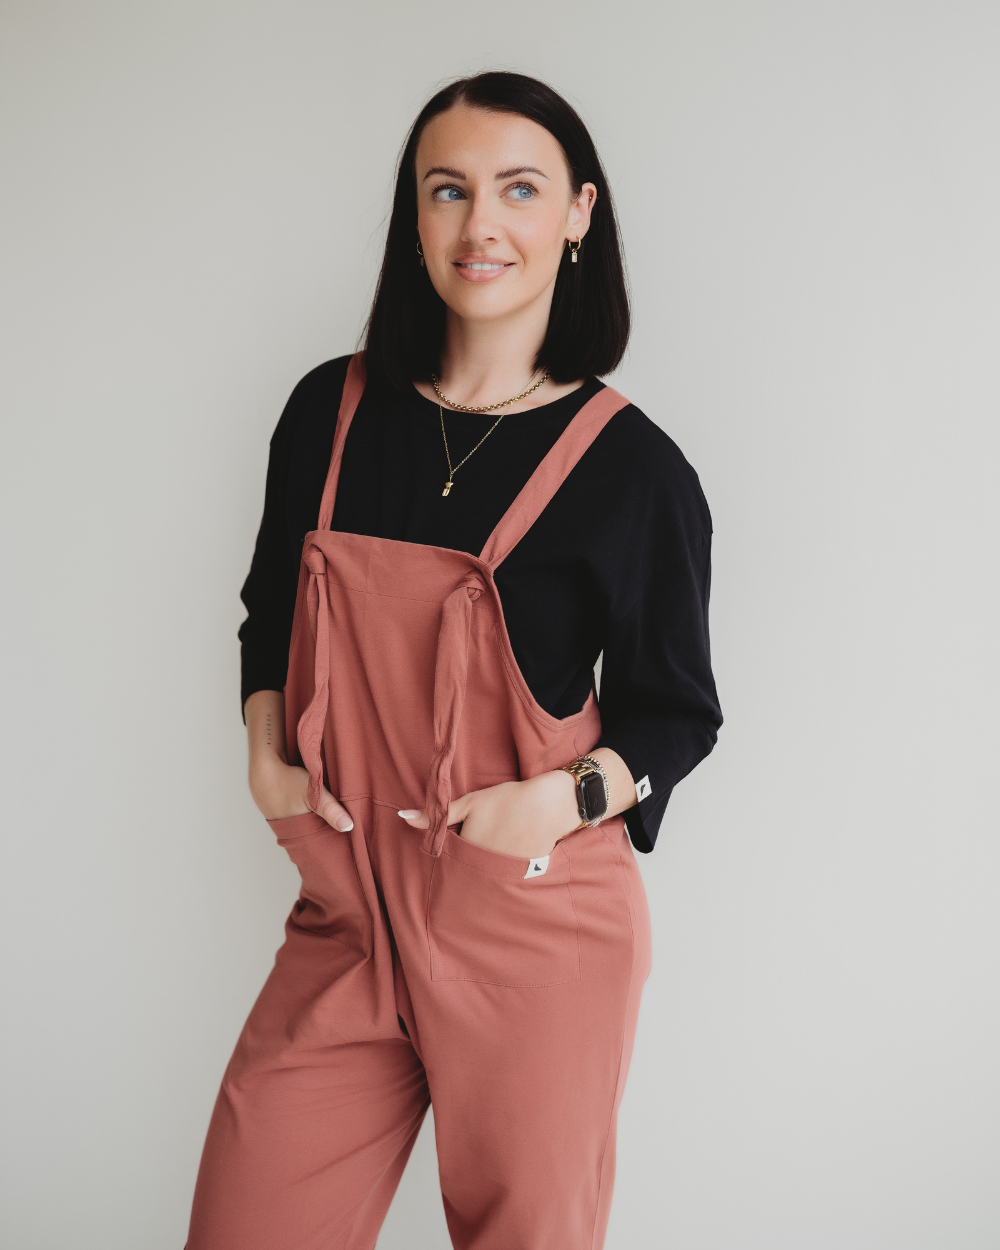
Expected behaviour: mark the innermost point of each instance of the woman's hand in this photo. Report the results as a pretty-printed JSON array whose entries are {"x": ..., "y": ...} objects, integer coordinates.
[
  {"x": 527, "y": 818},
  {"x": 281, "y": 790},
  {"x": 278, "y": 788},
  {"x": 522, "y": 818}
]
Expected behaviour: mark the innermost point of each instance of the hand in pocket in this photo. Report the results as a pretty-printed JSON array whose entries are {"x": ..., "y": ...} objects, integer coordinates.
[
  {"x": 280, "y": 790},
  {"x": 521, "y": 818}
]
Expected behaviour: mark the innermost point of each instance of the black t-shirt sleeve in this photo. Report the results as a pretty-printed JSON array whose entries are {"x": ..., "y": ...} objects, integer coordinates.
[
  {"x": 296, "y": 471},
  {"x": 268, "y": 593},
  {"x": 659, "y": 707}
]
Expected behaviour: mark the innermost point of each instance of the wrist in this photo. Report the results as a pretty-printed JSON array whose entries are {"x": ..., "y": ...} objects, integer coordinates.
[
  {"x": 264, "y": 762},
  {"x": 555, "y": 796},
  {"x": 592, "y": 791},
  {"x": 564, "y": 793}
]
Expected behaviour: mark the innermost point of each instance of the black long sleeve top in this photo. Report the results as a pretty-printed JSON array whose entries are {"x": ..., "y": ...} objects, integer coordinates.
[{"x": 617, "y": 565}]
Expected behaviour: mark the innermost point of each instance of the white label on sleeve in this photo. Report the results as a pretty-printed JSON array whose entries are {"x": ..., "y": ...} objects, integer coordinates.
[
  {"x": 643, "y": 789},
  {"x": 537, "y": 867}
]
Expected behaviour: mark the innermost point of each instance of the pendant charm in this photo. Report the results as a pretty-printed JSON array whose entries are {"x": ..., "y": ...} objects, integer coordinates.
[
  {"x": 572, "y": 256},
  {"x": 447, "y": 487}
]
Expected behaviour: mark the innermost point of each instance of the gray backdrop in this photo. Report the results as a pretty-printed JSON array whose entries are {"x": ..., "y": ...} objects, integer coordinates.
[{"x": 194, "y": 197}]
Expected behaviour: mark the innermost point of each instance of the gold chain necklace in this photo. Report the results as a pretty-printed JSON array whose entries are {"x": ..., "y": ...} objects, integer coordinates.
[
  {"x": 486, "y": 407},
  {"x": 452, "y": 470}
]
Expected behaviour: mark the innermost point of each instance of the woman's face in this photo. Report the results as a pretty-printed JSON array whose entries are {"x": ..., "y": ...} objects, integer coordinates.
[{"x": 493, "y": 190}]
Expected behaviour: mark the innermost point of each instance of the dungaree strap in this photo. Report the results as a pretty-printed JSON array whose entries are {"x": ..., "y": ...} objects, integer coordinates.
[
  {"x": 550, "y": 474},
  {"x": 312, "y": 722},
  {"x": 451, "y": 668},
  {"x": 309, "y": 730},
  {"x": 354, "y": 384}
]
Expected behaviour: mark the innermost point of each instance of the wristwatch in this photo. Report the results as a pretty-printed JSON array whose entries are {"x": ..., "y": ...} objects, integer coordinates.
[{"x": 592, "y": 795}]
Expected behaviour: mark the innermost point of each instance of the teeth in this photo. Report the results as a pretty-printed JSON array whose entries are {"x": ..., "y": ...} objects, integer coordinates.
[{"x": 478, "y": 265}]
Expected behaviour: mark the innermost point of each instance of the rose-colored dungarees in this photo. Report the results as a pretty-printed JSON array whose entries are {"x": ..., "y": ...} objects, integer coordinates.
[{"x": 418, "y": 967}]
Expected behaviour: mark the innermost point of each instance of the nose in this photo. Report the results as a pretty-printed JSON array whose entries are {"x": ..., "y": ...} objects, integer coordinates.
[{"x": 481, "y": 224}]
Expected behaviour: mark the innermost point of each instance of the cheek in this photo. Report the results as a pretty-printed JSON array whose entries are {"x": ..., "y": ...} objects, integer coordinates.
[
  {"x": 438, "y": 230},
  {"x": 539, "y": 238}
]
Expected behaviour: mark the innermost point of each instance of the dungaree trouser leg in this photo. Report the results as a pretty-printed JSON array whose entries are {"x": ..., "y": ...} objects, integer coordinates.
[{"x": 418, "y": 967}]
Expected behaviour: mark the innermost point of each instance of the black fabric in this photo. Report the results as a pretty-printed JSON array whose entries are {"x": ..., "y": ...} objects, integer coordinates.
[{"x": 619, "y": 561}]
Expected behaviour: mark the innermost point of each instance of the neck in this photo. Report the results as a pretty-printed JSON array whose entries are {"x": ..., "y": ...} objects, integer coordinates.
[{"x": 483, "y": 362}]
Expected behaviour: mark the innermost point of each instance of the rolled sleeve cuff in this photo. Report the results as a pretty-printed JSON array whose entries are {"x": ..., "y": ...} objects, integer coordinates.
[
  {"x": 659, "y": 751},
  {"x": 653, "y": 788}
]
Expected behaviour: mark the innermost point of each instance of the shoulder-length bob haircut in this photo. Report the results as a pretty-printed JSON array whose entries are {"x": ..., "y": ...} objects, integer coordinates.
[{"x": 589, "y": 321}]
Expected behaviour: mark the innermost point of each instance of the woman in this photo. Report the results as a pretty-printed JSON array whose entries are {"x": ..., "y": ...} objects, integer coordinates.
[{"x": 462, "y": 519}]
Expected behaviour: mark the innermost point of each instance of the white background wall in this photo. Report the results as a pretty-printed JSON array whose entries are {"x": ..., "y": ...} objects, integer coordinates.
[{"x": 193, "y": 200}]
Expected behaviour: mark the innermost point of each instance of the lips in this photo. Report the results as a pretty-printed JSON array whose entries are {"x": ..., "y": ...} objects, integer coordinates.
[{"x": 481, "y": 268}]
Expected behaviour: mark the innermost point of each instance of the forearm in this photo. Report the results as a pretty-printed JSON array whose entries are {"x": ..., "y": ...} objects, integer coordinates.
[{"x": 265, "y": 717}]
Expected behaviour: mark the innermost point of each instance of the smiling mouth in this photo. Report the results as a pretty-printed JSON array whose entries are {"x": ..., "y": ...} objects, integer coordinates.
[{"x": 479, "y": 271}]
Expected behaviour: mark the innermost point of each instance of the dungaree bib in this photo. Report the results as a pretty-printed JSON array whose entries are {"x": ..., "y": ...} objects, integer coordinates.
[{"x": 419, "y": 968}]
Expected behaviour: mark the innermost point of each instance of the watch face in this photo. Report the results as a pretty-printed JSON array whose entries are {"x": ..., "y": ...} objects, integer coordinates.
[{"x": 592, "y": 792}]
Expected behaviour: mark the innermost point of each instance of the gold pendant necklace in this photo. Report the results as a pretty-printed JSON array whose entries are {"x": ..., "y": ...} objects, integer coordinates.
[{"x": 452, "y": 470}]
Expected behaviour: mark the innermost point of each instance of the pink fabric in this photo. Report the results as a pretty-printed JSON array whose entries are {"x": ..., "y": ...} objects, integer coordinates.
[{"x": 422, "y": 967}]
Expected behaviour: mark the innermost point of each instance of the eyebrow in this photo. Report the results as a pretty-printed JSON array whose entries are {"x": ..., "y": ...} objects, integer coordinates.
[
  {"x": 504, "y": 173},
  {"x": 448, "y": 172},
  {"x": 520, "y": 169}
]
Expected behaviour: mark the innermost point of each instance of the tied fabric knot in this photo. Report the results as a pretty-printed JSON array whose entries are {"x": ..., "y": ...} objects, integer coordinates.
[
  {"x": 473, "y": 583},
  {"x": 450, "y": 672},
  {"x": 312, "y": 722}
]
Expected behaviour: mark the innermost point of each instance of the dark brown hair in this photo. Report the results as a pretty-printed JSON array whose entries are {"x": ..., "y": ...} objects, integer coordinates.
[{"x": 589, "y": 322}]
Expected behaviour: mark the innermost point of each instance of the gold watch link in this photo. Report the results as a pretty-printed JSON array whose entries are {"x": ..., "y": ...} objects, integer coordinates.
[{"x": 581, "y": 769}]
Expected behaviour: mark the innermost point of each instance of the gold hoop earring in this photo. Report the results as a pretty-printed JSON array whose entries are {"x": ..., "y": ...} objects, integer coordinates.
[
  {"x": 573, "y": 250},
  {"x": 420, "y": 254}
]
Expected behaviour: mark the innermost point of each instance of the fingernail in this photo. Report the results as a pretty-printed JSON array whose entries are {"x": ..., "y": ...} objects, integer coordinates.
[
  {"x": 409, "y": 813},
  {"x": 344, "y": 824}
]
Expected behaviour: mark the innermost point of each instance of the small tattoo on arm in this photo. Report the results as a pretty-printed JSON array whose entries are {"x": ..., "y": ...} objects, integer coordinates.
[{"x": 267, "y": 729}]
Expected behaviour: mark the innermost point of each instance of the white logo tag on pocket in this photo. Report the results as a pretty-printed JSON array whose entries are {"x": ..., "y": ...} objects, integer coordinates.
[
  {"x": 643, "y": 789},
  {"x": 537, "y": 867}
]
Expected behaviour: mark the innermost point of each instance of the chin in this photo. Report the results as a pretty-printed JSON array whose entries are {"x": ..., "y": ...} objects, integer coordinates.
[
  {"x": 482, "y": 304},
  {"x": 480, "y": 309}
]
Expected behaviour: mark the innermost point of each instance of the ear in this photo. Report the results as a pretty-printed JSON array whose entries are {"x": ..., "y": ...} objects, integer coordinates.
[{"x": 578, "y": 221}]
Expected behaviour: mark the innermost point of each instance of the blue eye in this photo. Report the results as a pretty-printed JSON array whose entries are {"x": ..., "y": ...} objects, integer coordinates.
[
  {"x": 447, "y": 195},
  {"x": 522, "y": 192}
]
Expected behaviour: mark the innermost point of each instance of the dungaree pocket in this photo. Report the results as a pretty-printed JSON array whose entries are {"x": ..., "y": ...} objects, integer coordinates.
[
  {"x": 488, "y": 920},
  {"x": 332, "y": 901}
]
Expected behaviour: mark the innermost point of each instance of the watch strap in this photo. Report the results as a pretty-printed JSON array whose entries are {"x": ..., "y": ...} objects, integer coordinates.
[{"x": 586, "y": 766}]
